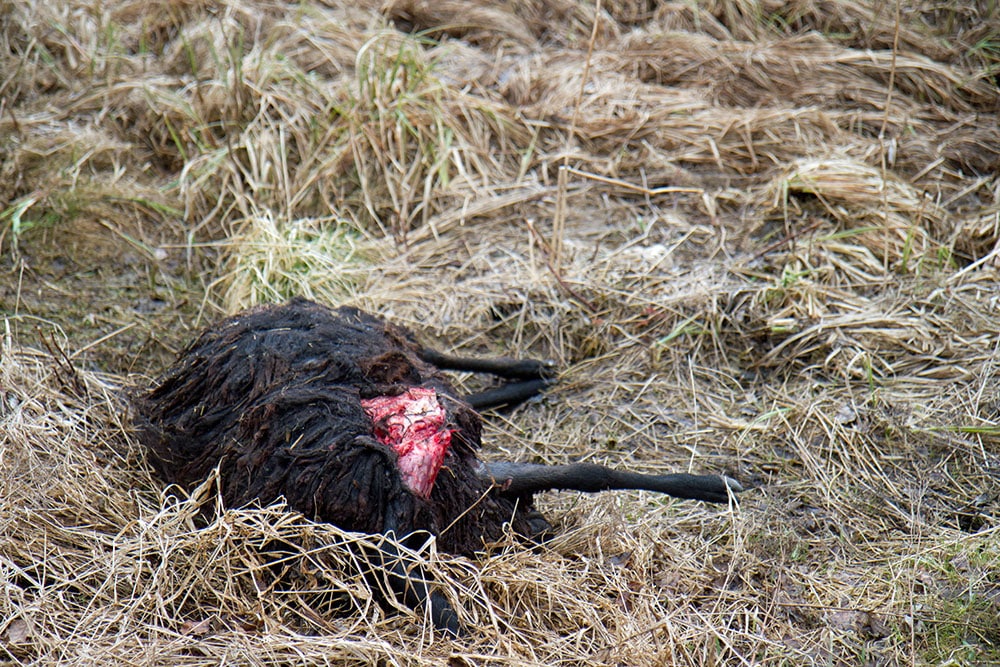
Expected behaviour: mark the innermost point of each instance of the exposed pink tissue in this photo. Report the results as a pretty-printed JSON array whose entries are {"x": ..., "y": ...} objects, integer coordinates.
[{"x": 413, "y": 424}]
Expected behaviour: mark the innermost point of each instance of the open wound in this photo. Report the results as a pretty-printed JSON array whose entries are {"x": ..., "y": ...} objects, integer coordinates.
[{"x": 413, "y": 424}]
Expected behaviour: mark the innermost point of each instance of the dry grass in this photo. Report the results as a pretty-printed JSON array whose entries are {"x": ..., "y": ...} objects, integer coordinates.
[{"x": 757, "y": 237}]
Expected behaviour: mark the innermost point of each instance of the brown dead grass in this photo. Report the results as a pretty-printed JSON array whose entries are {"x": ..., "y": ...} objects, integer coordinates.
[{"x": 758, "y": 238}]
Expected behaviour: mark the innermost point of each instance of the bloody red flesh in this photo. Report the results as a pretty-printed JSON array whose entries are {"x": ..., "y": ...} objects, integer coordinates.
[{"x": 413, "y": 424}]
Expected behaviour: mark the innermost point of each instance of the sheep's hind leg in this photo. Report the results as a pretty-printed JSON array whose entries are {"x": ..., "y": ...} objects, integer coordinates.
[
  {"x": 505, "y": 367},
  {"x": 507, "y": 395},
  {"x": 530, "y": 377}
]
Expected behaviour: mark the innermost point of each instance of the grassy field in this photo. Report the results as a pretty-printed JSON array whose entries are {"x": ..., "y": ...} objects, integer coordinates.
[{"x": 757, "y": 238}]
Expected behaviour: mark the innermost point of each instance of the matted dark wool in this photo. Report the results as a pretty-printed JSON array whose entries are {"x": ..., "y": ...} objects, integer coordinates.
[
  {"x": 273, "y": 397},
  {"x": 346, "y": 417}
]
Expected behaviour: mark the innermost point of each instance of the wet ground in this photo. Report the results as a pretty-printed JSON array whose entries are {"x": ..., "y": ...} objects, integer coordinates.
[{"x": 114, "y": 300}]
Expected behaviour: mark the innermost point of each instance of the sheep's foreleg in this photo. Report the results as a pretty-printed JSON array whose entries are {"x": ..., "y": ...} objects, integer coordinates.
[
  {"x": 405, "y": 576},
  {"x": 409, "y": 584},
  {"x": 520, "y": 479}
]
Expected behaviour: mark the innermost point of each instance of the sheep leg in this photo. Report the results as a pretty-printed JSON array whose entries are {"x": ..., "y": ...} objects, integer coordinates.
[
  {"x": 509, "y": 394},
  {"x": 521, "y": 479},
  {"x": 405, "y": 577},
  {"x": 512, "y": 369},
  {"x": 531, "y": 377},
  {"x": 409, "y": 584}
]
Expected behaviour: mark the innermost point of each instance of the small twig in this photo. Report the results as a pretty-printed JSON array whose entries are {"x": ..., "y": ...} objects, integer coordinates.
[
  {"x": 105, "y": 337},
  {"x": 586, "y": 73},
  {"x": 641, "y": 189},
  {"x": 555, "y": 273},
  {"x": 559, "y": 219},
  {"x": 787, "y": 238},
  {"x": 64, "y": 368},
  {"x": 892, "y": 74},
  {"x": 881, "y": 132}
]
